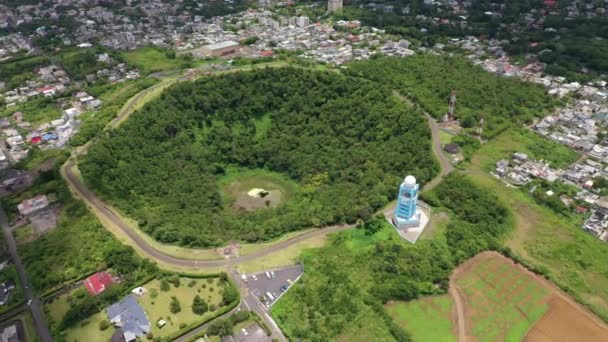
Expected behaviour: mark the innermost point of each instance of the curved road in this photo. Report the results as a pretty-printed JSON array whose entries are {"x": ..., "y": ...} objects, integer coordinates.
[{"x": 102, "y": 209}]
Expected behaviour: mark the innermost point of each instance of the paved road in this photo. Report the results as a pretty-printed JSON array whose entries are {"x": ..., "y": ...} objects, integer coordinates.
[
  {"x": 444, "y": 162},
  {"x": 42, "y": 328}
]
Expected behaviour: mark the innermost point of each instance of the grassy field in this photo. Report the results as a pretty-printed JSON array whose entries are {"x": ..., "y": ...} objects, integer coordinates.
[
  {"x": 88, "y": 330},
  {"x": 235, "y": 184},
  {"x": 157, "y": 308},
  {"x": 426, "y": 319},
  {"x": 569, "y": 256},
  {"x": 445, "y": 137},
  {"x": 58, "y": 307},
  {"x": 149, "y": 59},
  {"x": 501, "y": 301},
  {"x": 287, "y": 256}
]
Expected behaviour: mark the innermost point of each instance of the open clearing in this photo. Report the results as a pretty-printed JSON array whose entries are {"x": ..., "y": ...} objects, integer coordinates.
[
  {"x": 426, "y": 319},
  {"x": 503, "y": 301},
  {"x": 237, "y": 188}
]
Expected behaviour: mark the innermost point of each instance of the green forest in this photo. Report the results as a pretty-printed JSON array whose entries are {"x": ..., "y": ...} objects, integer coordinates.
[
  {"x": 428, "y": 80},
  {"x": 347, "y": 141},
  {"x": 347, "y": 280}
]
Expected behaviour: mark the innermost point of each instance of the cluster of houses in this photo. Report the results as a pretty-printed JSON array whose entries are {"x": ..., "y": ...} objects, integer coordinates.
[
  {"x": 580, "y": 125},
  {"x": 322, "y": 42},
  {"x": 521, "y": 170},
  {"x": 50, "y": 81},
  {"x": 6, "y": 288}
]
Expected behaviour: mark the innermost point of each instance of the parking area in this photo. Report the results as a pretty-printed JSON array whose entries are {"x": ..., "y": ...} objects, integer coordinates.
[
  {"x": 269, "y": 285},
  {"x": 251, "y": 333}
]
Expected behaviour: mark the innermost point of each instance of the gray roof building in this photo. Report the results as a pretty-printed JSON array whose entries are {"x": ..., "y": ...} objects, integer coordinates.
[{"x": 129, "y": 317}]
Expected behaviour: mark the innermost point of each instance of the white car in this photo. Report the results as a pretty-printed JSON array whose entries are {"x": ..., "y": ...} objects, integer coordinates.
[
  {"x": 29, "y": 302},
  {"x": 244, "y": 277},
  {"x": 272, "y": 274},
  {"x": 254, "y": 277},
  {"x": 244, "y": 332}
]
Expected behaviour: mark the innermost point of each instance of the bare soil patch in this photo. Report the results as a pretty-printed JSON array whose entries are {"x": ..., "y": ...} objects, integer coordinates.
[
  {"x": 564, "y": 322},
  {"x": 244, "y": 201}
]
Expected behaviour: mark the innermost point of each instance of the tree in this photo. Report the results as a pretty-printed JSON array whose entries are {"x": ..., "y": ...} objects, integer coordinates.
[
  {"x": 199, "y": 306},
  {"x": 153, "y": 293},
  {"x": 164, "y": 285},
  {"x": 175, "y": 306},
  {"x": 221, "y": 327},
  {"x": 230, "y": 295}
]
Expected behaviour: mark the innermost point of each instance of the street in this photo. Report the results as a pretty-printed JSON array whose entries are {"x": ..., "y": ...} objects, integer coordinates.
[{"x": 42, "y": 328}]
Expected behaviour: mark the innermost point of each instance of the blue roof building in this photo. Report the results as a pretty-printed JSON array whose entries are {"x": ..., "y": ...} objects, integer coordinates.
[
  {"x": 129, "y": 317},
  {"x": 405, "y": 212}
]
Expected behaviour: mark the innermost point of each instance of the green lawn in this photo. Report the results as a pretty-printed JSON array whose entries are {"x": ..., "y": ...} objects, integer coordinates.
[
  {"x": 502, "y": 302},
  {"x": 157, "y": 308},
  {"x": 426, "y": 319},
  {"x": 445, "y": 137},
  {"x": 57, "y": 308},
  {"x": 88, "y": 330},
  {"x": 570, "y": 257}
]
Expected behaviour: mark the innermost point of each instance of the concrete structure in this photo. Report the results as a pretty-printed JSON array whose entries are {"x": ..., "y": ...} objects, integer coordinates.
[
  {"x": 221, "y": 49},
  {"x": 28, "y": 206},
  {"x": 410, "y": 216},
  {"x": 334, "y": 6},
  {"x": 405, "y": 212}
]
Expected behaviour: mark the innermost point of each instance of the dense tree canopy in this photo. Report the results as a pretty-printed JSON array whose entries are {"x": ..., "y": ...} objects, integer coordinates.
[
  {"x": 480, "y": 94},
  {"x": 346, "y": 140}
]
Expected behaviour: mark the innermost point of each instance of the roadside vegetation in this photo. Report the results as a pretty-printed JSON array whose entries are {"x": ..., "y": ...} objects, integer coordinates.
[
  {"x": 346, "y": 150},
  {"x": 9, "y": 275},
  {"x": 502, "y": 102}
]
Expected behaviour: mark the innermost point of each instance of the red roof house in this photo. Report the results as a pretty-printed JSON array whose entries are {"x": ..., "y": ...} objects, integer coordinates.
[
  {"x": 98, "y": 282},
  {"x": 266, "y": 53},
  {"x": 36, "y": 140}
]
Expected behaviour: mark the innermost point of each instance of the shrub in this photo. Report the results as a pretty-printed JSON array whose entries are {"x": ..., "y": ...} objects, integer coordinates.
[{"x": 103, "y": 325}]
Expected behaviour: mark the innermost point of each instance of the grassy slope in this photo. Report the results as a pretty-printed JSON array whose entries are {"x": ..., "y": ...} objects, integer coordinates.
[
  {"x": 572, "y": 258},
  {"x": 427, "y": 319}
]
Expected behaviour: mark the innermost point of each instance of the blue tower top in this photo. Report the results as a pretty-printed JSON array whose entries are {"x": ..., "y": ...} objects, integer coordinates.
[{"x": 407, "y": 199}]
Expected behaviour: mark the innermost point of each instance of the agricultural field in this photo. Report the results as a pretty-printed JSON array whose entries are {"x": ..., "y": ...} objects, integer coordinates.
[
  {"x": 426, "y": 319},
  {"x": 554, "y": 245},
  {"x": 501, "y": 301},
  {"x": 505, "y": 301}
]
